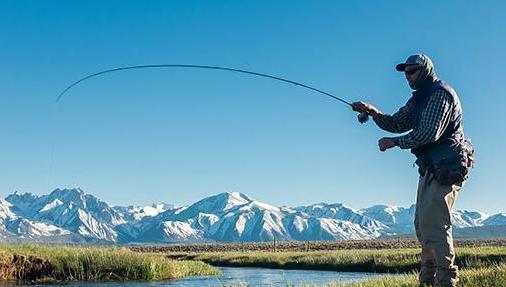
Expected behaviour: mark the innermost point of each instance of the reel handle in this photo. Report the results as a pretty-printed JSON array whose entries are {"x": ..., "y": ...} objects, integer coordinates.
[{"x": 363, "y": 117}]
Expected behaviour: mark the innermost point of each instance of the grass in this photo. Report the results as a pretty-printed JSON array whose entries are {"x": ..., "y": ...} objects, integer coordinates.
[
  {"x": 363, "y": 260},
  {"x": 479, "y": 277},
  {"x": 493, "y": 276},
  {"x": 42, "y": 263},
  {"x": 480, "y": 266},
  {"x": 31, "y": 263}
]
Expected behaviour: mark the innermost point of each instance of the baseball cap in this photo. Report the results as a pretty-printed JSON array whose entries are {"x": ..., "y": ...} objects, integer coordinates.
[{"x": 415, "y": 60}]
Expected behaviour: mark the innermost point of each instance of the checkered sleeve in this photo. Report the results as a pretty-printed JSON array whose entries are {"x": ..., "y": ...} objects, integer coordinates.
[
  {"x": 434, "y": 120},
  {"x": 397, "y": 123}
]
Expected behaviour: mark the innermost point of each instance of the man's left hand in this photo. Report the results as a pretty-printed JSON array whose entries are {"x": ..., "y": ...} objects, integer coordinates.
[{"x": 386, "y": 143}]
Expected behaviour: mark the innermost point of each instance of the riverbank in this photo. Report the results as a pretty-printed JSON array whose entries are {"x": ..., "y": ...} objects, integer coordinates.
[
  {"x": 362, "y": 260},
  {"x": 493, "y": 276},
  {"x": 480, "y": 266},
  {"x": 32, "y": 263}
]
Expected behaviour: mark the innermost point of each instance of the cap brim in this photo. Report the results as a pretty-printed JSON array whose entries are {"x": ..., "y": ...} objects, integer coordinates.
[{"x": 402, "y": 67}]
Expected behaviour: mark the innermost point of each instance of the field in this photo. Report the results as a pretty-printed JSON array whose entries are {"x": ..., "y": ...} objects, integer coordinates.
[
  {"x": 482, "y": 263},
  {"x": 494, "y": 276},
  {"x": 273, "y": 246},
  {"x": 30, "y": 263},
  {"x": 481, "y": 266},
  {"x": 360, "y": 260}
]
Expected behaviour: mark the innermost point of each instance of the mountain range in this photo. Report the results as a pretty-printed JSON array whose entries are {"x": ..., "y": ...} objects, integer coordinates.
[{"x": 73, "y": 216}]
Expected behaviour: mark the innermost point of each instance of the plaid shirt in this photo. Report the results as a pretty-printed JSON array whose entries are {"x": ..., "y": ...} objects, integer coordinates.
[{"x": 434, "y": 121}]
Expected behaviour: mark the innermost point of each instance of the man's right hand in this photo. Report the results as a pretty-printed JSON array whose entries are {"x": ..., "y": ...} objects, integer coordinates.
[{"x": 362, "y": 107}]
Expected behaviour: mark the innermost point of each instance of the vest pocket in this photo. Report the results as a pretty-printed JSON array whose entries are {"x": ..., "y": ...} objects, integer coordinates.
[{"x": 450, "y": 170}]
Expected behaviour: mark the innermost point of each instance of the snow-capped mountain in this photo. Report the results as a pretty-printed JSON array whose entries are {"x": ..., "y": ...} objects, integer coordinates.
[
  {"x": 71, "y": 215},
  {"x": 342, "y": 212},
  {"x": 13, "y": 227},
  {"x": 465, "y": 218},
  {"x": 71, "y": 210},
  {"x": 133, "y": 212},
  {"x": 497, "y": 219},
  {"x": 399, "y": 220}
]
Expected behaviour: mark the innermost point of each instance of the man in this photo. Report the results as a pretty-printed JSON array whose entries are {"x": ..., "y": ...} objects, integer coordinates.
[{"x": 433, "y": 116}]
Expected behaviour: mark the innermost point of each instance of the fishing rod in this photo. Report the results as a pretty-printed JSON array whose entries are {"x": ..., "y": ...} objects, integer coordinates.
[{"x": 362, "y": 117}]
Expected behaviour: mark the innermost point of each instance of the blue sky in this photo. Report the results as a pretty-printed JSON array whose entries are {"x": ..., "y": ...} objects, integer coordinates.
[{"x": 179, "y": 135}]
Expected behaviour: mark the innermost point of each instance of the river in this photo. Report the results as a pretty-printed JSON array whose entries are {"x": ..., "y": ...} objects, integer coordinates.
[{"x": 242, "y": 276}]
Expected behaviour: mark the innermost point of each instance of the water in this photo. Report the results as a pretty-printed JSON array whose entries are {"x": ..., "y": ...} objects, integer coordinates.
[{"x": 251, "y": 277}]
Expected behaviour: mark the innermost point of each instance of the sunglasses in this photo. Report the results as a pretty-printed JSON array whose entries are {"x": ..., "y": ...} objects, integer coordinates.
[{"x": 411, "y": 72}]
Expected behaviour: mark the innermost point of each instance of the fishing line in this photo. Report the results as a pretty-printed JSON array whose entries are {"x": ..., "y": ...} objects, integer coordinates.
[{"x": 362, "y": 117}]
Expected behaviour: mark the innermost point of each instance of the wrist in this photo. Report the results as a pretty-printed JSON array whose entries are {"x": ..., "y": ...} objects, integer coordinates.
[{"x": 374, "y": 114}]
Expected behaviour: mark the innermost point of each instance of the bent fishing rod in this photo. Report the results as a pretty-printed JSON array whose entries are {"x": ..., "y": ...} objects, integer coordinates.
[{"x": 362, "y": 117}]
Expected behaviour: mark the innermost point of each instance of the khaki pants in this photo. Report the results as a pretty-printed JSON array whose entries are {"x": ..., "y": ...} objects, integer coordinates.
[{"x": 433, "y": 227}]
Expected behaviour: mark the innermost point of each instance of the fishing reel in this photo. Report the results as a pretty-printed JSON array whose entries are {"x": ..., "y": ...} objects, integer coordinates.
[{"x": 363, "y": 117}]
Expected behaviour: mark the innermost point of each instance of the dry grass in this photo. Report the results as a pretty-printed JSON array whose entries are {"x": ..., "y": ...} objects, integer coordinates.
[
  {"x": 390, "y": 243},
  {"x": 28, "y": 263}
]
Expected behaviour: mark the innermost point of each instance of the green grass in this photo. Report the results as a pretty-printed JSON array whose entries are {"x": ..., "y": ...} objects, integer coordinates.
[
  {"x": 363, "y": 260},
  {"x": 479, "y": 277},
  {"x": 39, "y": 263},
  {"x": 480, "y": 266},
  {"x": 493, "y": 276}
]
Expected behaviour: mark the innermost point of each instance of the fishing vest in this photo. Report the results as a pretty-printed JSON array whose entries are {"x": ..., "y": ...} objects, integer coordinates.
[{"x": 453, "y": 135}]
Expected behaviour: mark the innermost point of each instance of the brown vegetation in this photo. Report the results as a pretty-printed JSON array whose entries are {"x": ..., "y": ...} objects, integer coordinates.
[
  {"x": 32, "y": 263},
  {"x": 390, "y": 243},
  {"x": 24, "y": 269}
]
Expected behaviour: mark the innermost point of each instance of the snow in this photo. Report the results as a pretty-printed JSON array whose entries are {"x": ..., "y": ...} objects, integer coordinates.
[
  {"x": 51, "y": 205},
  {"x": 181, "y": 209},
  {"x": 235, "y": 199},
  {"x": 227, "y": 216},
  {"x": 240, "y": 224},
  {"x": 265, "y": 206},
  {"x": 40, "y": 229},
  {"x": 89, "y": 226},
  {"x": 205, "y": 220},
  {"x": 138, "y": 213},
  {"x": 465, "y": 218},
  {"x": 300, "y": 223},
  {"x": 179, "y": 230},
  {"x": 5, "y": 209}
]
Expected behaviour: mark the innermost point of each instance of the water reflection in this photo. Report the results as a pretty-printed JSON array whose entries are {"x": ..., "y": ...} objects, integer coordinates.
[{"x": 251, "y": 277}]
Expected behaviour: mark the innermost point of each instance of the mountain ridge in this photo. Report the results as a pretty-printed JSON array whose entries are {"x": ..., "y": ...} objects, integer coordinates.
[{"x": 72, "y": 215}]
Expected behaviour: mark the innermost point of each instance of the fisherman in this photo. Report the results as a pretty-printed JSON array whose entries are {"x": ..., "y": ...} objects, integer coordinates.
[{"x": 433, "y": 117}]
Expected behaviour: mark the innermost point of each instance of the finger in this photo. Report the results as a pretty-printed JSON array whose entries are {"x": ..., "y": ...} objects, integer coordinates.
[{"x": 357, "y": 107}]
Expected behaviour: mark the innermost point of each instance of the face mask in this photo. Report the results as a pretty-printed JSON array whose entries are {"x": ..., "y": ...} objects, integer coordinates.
[
  {"x": 426, "y": 74},
  {"x": 420, "y": 80}
]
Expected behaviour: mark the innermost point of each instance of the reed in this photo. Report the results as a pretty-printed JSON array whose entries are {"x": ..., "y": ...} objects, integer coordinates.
[
  {"x": 41, "y": 263},
  {"x": 476, "y": 277},
  {"x": 493, "y": 276},
  {"x": 364, "y": 260}
]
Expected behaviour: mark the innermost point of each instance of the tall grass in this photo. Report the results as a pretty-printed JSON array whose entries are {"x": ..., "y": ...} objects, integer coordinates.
[
  {"x": 493, "y": 276},
  {"x": 30, "y": 262},
  {"x": 481, "y": 266},
  {"x": 381, "y": 261}
]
